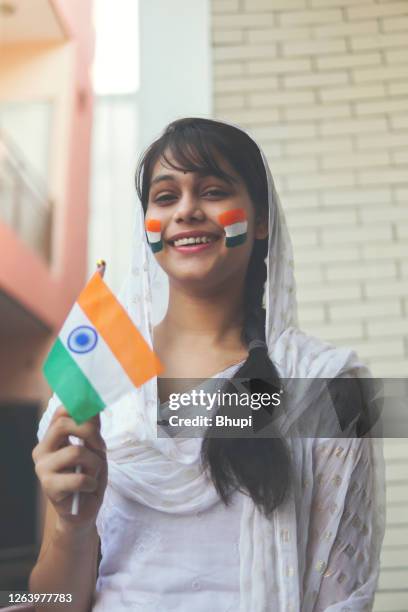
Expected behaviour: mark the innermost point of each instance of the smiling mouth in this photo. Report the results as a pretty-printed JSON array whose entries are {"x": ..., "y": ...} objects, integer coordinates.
[{"x": 193, "y": 241}]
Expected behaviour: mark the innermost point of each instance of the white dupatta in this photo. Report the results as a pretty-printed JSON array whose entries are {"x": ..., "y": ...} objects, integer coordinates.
[{"x": 321, "y": 549}]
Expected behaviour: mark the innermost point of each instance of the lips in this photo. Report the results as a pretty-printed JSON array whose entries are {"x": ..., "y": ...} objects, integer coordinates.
[
  {"x": 193, "y": 241},
  {"x": 193, "y": 237},
  {"x": 193, "y": 247}
]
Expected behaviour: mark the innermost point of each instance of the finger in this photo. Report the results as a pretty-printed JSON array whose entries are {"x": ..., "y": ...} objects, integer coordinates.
[
  {"x": 67, "y": 458},
  {"x": 96, "y": 419},
  {"x": 57, "y": 434},
  {"x": 96, "y": 443},
  {"x": 60, "y": 411},
  {"x": 102, "y": 478},
  {"x": 59, "y": 486}
]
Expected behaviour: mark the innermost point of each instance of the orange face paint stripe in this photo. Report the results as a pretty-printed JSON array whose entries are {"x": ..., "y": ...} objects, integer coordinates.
[
  {"x": 153, "y": 225},
  {"x": 126, "y": 342},
  {"x": 232, "y": 216}
]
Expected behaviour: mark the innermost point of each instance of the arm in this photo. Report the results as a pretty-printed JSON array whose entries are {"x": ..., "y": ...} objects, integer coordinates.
[{"x": 67, "y": 563}]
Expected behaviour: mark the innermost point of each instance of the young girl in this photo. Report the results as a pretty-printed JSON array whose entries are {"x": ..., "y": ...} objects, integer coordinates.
[{"x": 284, "y": 523}]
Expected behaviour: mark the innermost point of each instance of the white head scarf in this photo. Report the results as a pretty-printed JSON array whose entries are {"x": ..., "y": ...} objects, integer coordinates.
[
  {"x": 278, "y": 557},
  {"x": 145, "y": 296}
]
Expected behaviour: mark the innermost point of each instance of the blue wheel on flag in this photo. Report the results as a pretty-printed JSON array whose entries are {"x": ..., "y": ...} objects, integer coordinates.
[{"x": 82, "y": 339}]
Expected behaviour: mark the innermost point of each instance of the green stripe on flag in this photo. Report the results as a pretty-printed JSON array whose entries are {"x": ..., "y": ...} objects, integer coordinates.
[{"x": 69, "y": 383}]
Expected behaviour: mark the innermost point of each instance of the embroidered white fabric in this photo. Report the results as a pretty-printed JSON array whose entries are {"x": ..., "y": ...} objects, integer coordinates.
[{"x": 321, "y": 549}]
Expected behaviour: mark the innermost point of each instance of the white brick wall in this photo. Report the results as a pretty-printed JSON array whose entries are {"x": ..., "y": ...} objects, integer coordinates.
[{"x": 322, "y": 84}]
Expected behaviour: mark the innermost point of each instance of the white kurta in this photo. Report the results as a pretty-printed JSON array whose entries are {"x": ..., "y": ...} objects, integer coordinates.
[
  {"x": 154, "y": 561},
  {"x": 159, "y": 561}
]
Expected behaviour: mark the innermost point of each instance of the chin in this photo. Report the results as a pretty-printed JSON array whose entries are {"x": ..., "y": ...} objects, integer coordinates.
[
  {"x": 194, "y": 274},
  {"x": 193, "y": 278}
]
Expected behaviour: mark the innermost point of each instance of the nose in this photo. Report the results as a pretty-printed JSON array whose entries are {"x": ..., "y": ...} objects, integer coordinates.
[{"x": 188, "y": 209}]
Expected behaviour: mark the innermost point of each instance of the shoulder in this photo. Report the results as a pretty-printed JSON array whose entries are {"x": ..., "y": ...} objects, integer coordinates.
[
  {"x": 302, "y": 355},
  {"x": 336, "y": 377}
]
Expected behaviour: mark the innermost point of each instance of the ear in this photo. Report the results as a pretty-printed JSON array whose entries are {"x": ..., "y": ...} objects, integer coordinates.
[{"x": 261, "y": 227}]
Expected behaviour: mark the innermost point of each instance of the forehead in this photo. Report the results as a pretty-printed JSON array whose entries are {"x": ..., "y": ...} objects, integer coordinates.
[{"x": 161, "y": 167}]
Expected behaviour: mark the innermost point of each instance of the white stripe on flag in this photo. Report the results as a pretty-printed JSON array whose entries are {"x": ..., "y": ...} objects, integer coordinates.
[
  {"x": 235, "y": 229},
  {"x": 99, "y": 365}
]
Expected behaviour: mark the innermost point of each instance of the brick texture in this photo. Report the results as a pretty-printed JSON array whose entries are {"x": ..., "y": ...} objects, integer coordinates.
[{"x": 322, "y": 84}]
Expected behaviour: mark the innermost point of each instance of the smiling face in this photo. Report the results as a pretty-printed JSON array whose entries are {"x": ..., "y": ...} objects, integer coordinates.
[{"x": 188, "y": 205}]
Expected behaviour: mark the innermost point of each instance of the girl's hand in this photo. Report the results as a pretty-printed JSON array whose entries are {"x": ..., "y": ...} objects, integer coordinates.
[{"x": 55, "y": 459}]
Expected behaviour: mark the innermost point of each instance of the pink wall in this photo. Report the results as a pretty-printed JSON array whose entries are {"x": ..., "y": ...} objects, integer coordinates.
[
  {"x": 26, "y": 278},
  {"x": 49, "y": 293}
]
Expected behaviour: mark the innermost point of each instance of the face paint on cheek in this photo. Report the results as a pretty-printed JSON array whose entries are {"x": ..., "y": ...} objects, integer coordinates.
[
  {"x": 235, "y": 225},
  {"x": 153, "y": 230}
]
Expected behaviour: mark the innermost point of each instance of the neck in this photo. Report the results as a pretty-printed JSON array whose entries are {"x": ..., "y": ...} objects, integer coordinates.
[{"x": 207, "y": 320}]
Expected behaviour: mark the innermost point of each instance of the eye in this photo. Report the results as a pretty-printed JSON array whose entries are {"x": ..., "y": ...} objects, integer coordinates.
[
  {"x": 216, "y": 192},
  {"x": 211, "y": 192},
  {"x": 164, "y": 198}
]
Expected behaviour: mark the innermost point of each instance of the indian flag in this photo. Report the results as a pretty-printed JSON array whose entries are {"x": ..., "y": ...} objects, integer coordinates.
[
  {"x": 235, "y": 226},
  {"x": 99, "y": 354},
  {"x": 153, "y": 230}
]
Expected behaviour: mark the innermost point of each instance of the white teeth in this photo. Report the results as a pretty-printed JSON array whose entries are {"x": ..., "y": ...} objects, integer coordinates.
[{"x": 198, "y": 240}]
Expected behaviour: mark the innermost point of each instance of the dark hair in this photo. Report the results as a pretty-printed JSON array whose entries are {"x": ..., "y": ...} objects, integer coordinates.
[{"x": 258, "y": 466}]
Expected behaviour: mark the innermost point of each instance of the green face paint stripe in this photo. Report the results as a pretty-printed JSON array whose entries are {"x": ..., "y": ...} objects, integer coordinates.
[
  {"x": 70, "y": 384},
  {"x": 235, "y": 240},
  {"x": 156, "y": 246}
]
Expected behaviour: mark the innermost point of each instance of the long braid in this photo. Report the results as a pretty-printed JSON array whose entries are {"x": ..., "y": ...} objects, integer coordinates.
[
  {"x": 254, "y": 313},
  {"x": 244, "y": 461}
]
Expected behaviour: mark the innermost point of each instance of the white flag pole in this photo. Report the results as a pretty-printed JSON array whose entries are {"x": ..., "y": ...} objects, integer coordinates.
[{"x": 101, "y": 266}]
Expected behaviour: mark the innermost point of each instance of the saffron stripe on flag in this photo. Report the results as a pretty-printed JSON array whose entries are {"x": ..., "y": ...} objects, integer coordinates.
[
  {"x": 73, "y": 388},
  {"x": 99, "y": 364},
  {"x": 119, "y": 332}
]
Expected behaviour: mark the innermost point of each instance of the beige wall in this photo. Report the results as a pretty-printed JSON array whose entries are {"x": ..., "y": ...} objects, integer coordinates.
[
  {"x": 322, "y": 85},
  {"x": 43, "y": 71}
]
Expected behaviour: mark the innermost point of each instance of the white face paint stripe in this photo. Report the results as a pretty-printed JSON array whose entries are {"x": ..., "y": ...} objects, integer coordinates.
[
  {"x": 235, "y": 229},
  {"x": 154, "y": 236}
]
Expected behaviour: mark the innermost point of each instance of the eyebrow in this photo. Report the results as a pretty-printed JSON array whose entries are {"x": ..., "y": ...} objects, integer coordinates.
[{"x": 170, "y": 177}]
